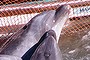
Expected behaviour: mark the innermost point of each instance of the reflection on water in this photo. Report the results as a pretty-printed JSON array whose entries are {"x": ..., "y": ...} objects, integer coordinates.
[{"x": 76, "y": 46}]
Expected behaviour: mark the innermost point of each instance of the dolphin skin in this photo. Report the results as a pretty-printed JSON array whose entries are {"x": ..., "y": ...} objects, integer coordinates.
[
  {"x": 9, "y": 57},
  {"x": 31, "y": 33},
  {"x": 46, "y": 49}
]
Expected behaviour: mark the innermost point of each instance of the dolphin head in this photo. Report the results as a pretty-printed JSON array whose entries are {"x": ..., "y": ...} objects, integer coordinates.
[{"x": 48, "y": 48}]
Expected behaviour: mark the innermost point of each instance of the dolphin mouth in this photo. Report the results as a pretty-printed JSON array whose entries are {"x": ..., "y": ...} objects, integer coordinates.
[{"x": 61, "y": 16}]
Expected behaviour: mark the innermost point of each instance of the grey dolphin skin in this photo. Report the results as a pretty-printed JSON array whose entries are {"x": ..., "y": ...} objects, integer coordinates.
[
  {"x": 9, "y": 57},
  {"x": 31, "y": 33},
  {"x": 48, "y": 48},
  {"x": 45, "y": 49}
]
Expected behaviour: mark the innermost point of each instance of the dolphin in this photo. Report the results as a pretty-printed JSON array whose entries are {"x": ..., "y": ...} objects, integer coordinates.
[
  {"x": 20, "y": 42},
  {"x": 46, "y": 49},
  {"x": 9, "y": 57}
]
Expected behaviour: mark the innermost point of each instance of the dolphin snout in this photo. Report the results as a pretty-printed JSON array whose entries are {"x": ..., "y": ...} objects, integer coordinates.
[{"x": 68, "y": 9}]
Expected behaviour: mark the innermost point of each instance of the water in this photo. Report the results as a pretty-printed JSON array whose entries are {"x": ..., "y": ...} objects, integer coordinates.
[{"x": 76, "y": 46}]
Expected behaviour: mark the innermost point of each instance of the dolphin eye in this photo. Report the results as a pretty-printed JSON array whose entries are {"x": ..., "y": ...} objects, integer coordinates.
[{"x": 25, "y": 27}]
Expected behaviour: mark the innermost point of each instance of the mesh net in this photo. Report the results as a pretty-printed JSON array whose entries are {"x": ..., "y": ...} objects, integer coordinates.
[{"x": 14, "y": 14}]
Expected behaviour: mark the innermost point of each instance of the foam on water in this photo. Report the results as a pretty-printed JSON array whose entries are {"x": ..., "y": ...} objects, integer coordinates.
[{"x": 78, "y": 46}]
